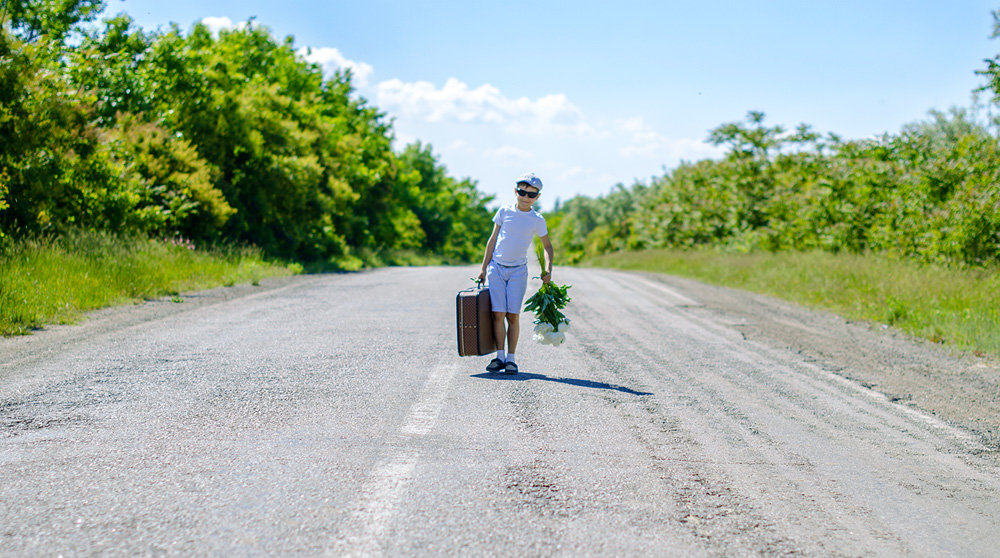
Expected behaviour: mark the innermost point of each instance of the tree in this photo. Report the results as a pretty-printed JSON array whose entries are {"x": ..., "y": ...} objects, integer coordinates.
[
  {"x": 113, "y": 65},
  {"x": 231, "y": 136},
  {"x": 56, "y": 172},
  {"x": 451, "y": 213},
  {"x": 32, "y": 20}
]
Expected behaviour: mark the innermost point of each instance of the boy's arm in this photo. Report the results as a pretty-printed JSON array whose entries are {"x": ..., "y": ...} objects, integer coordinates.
[
  {"x": 489, "y": 251},
  {"x": 549, "y": 253}
]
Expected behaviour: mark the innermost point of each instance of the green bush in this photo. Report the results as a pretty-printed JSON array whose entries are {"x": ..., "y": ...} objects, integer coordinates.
[{"x": 930, "y": 193}]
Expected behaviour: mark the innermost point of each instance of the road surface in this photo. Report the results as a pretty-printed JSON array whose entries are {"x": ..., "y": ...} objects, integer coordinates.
[{"x": 330, "y": 415}]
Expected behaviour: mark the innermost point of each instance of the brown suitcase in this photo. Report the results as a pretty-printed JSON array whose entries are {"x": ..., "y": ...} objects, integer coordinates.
[{"x": 475, "y": 322}]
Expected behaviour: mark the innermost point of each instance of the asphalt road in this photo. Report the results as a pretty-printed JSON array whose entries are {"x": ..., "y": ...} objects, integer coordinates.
[{"x": 330, "y": 415}]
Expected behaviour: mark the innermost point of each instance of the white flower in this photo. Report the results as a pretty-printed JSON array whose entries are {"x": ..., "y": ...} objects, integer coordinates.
[
  {"x": 542, "y": 332},
  {"x": 547, "y": 335},
  {"x": 543, "y": 328}
]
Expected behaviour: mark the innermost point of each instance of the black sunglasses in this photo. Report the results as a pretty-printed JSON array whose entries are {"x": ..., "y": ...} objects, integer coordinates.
[{"x": 531, "y": 195}]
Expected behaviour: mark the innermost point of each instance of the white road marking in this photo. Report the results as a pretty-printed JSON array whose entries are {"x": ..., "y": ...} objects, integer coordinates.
[
  {"x": 379, "y": 499},
  {"x": 380, "y": 496},
  {"x": 424, "y": 414}
]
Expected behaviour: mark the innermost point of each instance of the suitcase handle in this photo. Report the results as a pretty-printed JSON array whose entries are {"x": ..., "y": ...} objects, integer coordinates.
[{"x": 478, "y": 285}]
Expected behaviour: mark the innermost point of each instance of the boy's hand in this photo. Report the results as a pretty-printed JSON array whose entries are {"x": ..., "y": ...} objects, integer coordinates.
[{"x": 546, "y": 277}]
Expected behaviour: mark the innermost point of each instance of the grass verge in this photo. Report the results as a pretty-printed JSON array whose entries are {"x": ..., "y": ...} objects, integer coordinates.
[
  {"x": 954, "y": 306},
  {"x": 57, "y": 280}
]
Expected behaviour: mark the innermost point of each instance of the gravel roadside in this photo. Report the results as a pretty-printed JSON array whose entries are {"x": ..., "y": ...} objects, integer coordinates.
[{"x": 961, "y": 390}]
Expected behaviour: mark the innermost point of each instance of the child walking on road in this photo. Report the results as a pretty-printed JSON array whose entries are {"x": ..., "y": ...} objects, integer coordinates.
[{"x": 505, "y": 266}]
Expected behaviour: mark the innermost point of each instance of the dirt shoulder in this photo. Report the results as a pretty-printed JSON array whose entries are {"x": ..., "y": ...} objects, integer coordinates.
[{"x": 962, "y": 390}]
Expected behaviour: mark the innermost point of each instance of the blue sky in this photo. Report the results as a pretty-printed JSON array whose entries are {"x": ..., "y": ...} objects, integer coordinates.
[{"x": 589, "y": 94}]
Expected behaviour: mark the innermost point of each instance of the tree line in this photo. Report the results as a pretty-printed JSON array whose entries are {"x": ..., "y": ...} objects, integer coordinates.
[
  {"x": 930, "y": 192},
  {"x": 228, "y": 137}
]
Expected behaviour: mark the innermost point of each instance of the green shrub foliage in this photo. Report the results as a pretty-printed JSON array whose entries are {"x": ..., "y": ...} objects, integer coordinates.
[
  {"x": 228, "y": 137},
  {"x": 930, "y": 192}
]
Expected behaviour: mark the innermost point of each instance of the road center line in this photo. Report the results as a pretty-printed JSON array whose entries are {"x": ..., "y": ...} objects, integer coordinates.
[
  {"x": 380, "y": 496},
  {"x": 379, "y": 499},
  {"x": 424, "y": 414}
]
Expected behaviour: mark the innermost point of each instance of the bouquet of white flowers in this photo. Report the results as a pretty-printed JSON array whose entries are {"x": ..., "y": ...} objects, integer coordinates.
[{"x": 551, "y": 325}]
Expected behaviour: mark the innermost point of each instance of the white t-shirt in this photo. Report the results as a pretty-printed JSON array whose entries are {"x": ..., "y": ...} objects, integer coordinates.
[{"x": 517, "y": 228}]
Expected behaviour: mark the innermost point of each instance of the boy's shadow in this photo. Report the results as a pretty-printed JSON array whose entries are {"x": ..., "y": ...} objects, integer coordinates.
[{"x": 523, "y": 376}]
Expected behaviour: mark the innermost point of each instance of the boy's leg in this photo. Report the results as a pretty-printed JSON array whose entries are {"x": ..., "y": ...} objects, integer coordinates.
[
  {"x": 498, "y": 330},
  {"x": 498, "y": 299},
  {"x": 517, "y": 284},
  {"x": 513, "y": 329}
]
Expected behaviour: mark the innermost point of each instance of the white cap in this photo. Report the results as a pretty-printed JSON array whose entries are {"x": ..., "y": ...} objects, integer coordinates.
[{"x": 530, "y": 179}]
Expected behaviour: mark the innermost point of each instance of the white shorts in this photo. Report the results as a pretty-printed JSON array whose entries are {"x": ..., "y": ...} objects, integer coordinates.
[{"x": 507, "y": 286}]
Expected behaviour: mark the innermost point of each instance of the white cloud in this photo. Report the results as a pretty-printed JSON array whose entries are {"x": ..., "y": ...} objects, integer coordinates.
[
  {"x": 492, "y": 137},
  {"x": 459, "y": 145},
  {"x": 509, "y": 154},
  {"x": 331, "y": 60},
  {"x": 457, "y": 102},
  {"x": 574, "y": 175},
  {"x": 401, "y": 139},
  {"x": 645, "y": 142},
  {"x": 216, "y": 24},
  {"x": 693, "y": 150}
]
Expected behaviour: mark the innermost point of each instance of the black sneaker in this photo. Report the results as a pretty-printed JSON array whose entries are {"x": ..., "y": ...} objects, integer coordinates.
[
  {"x": 510, "y": 368},
  {"x": 495, "y": 365}
]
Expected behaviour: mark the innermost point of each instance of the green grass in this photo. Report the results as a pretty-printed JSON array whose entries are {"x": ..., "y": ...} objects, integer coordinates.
[
  {"x": 57, "y": 280},
  {"x": 959, "y": 307}
]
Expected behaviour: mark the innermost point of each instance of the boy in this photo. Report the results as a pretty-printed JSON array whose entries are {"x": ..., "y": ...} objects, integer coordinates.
[{"x": 505, "y": 264}]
